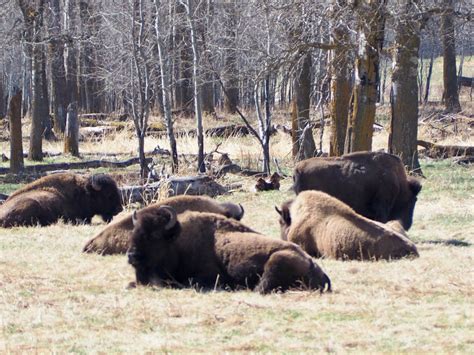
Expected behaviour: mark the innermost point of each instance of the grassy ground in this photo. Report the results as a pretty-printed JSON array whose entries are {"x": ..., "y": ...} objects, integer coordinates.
[{"x": 53, "y": 298}]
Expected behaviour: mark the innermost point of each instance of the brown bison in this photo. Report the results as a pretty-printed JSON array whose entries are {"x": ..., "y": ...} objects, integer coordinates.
[
  {"x": 326, "y": 227},
  {"x": 75, "y": 198},
  {"x": 115, "y": 238},
  {"x": 208, "y": 249},
  {"x": 374, "y": 184}
]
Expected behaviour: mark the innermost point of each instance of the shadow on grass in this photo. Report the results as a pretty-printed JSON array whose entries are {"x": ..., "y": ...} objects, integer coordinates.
[{"x": 448, "y": 242}]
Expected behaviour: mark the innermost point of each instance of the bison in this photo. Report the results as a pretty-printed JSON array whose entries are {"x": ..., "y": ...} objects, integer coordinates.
[
  {"x": 114, "y": 238},
  {"x": 208, "y": 249},
  {"x": 74, "y": 198},
  {"x": 374, "y": 184},
  {"x": 326, "y": 227}
]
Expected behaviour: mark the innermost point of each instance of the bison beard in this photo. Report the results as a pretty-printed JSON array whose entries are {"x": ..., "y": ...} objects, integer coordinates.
[
  {"x": 374, "y": 184},
  {"x": 73, "y": 197},
  {"x": 211, "y": 250}
]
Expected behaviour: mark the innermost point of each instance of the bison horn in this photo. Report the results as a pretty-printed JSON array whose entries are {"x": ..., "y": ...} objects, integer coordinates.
[
  {"x": 134, "y": 217},
  {"x": 172, "y": 213},
  {"x": 242, "y": 211},
  {"x": 278, "y": 210},
  {"x": 96, "y": 182}
]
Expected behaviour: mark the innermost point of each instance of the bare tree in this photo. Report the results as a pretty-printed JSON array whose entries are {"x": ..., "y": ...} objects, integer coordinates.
[
  {"x": 163, "y": 58},
  {"x": 450, "y": 94},
  {"x": 404, "y": 93},
  {"x": 190, "y": 13},
  {"x": 16, "y": 144},
  {"x": 371, "y": 22}
]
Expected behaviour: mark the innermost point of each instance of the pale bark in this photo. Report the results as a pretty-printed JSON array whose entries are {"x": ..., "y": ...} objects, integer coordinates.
[
  {"x": 450, "y": 94},
  {"x": 404, "y": 122},
  {"x": 364, "y": 94},
  {"x": 16, "y": 144}
]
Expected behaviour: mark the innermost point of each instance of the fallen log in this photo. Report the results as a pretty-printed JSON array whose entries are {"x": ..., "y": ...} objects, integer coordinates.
[
  {"x": 464, "y": 160},
  {"x": 445, "y": 151},
  {"x": 232, "y": 130},
  {"x": 91, "y": 164},
  {"x": 172, "y": 186}
]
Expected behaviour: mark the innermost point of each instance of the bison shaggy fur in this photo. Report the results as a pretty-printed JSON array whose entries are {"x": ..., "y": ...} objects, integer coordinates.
[
  {"x": 74, "y": 198},
  {"x": 326, "y": 227},
  {"x": 374, "y": 184},
  {"x": 209, "y": 249},
  {"x": 115, "y": 238}
]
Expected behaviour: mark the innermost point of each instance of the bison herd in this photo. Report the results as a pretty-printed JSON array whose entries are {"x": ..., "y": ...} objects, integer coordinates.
[{"x": 354, "y": 207}]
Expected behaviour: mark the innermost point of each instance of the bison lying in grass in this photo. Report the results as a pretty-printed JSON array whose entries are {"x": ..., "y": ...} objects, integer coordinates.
[
  {"x": 374, "y": 184},
  {"x": 209, "y": 249},
  {"x": 326, "y": 227},
  {"x": 115, "y": 238},
  {"x": 75, "y": 198}
]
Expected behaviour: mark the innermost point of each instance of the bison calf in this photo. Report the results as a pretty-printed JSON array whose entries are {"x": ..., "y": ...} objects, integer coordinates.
[
  {"x": 374, "y": 184},
  {"x": 209, "y": 249},
  {"x": 115, "y": 238},
  {"x": 75, "y": 198},
  {"x": 326, "y": 227}
]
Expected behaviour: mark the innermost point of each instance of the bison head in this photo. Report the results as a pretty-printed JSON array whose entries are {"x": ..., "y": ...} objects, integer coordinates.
[
  {"x": 285, "y": 218},
  {"x": 150, "y": 241},
  {"x": 233, "y": 210},
  {"x": 404, "y": 210},
  {"x": 105, "y": 196}
]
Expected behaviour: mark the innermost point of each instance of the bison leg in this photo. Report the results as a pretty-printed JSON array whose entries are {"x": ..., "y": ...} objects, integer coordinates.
[{"x": 283, "y": 270}]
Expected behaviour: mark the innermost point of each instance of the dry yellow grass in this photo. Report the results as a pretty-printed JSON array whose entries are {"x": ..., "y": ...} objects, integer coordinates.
[{"x": 55, "y": 299}]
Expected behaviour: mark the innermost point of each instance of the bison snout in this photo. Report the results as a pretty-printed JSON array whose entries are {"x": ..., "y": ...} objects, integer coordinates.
[{"x": 133, "y": 257}]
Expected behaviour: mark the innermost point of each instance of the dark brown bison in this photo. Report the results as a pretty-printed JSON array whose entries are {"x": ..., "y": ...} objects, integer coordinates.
[
  {"x": 209, "y": 249},
  {"x": 374, "y": 184},
  {"x": 326, "y": 227},
  {"x": 75, "y": 198},
  {"x": 115, "y": 238}
]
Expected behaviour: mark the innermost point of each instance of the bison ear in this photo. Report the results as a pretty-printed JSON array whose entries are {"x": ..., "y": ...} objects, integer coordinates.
[
  {"x": 278, "y": 211},
  {"x": 415, "y": 185},
  {"x": 172, "y": 213},
  {"x": 134, "y": 218},
  {"x": 284, "y": 214}
]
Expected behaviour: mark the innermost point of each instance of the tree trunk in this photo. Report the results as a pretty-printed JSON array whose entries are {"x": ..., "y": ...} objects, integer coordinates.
[
  {"x": 71, "y": 134},
  {"x": 302, "y": 137},
  {"x": 428, "y": 76},
  {"x": 71, "y": 52},
  {"x": 231, "y": 81},
  {"x": 165, "y": 87},
  {"x": 58, "y": 71},
  {"x": 40, "y": 103},
  {"x": 404, "y": 122},
  {"x": 340, "y": 90},
  {"x": 450, "y": 94},
  {"x": 364, "y": 94},
  {"x": 183, "y": 87},
  {"x": 197, "y": 86},
  {"x": 16, "y": 145}
]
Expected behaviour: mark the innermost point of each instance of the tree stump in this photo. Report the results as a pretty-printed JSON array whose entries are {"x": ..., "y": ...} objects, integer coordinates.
[
  {"x": 16, "y": 145},
  {"x": 71, "y": 134}
]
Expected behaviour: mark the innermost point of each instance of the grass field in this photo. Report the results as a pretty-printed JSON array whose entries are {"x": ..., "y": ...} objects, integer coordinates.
[{"x": 53, "y": 298}]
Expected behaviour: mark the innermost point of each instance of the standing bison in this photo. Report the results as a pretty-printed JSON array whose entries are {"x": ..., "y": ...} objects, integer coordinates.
[
  {"x": 374, "y": 184},
  {"x": 74, "y": 198},
  {"x": 326, "y": 227},
  {"x": 209, "y": 249},
  {"x": 115, "y": 238}
]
